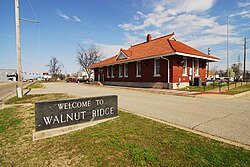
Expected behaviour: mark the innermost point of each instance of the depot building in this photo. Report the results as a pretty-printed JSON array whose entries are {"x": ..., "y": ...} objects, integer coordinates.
[{"x": 163, "y": 62}]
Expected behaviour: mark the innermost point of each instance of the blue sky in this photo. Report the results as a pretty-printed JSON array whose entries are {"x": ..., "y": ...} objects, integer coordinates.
[{"x": 113, "y": 24}]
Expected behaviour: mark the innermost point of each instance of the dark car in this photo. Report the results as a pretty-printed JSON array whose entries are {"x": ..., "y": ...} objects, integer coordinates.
[
  {"x": 71, "y": 79},
  {"x": 85, "y": 79}
]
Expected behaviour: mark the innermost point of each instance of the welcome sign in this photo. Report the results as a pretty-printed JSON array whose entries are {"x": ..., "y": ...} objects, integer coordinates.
[{"x": 59, "y": 113}]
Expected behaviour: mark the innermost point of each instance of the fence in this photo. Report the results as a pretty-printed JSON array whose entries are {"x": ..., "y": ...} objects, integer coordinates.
[{"x": 219, "y": 86}]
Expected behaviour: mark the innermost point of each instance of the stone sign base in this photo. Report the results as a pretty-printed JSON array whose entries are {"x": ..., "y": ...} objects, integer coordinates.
[{"x": 63, "y": 130}]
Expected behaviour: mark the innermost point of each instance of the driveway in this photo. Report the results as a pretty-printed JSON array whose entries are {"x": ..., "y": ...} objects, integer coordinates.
[{"x": 226, "y": 118}]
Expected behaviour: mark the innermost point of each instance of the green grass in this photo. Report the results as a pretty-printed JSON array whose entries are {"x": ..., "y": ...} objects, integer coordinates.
[
  {"x": 240, "y": 89},
  {"x": 35, "y": 85},
  {"x": 207, "y": 88},
  {"x": 128, "y": 140},
  {"x": 38, "y": 97}
]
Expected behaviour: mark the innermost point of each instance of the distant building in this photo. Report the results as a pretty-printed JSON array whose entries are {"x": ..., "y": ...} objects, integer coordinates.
[
  {"x": 212, "y": 75},
  {"x": 8, "y": 75},
  {"x": 84, "y": 74},
  {"x": 46, "y": 76}
]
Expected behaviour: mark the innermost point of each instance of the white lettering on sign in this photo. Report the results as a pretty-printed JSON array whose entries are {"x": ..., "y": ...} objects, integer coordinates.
[
  {"x": 102, "y": 111},
  {"x": 99, "y": 102},
  {"x": 73, "y": 105},
  {"x": 51, "y": 120}
]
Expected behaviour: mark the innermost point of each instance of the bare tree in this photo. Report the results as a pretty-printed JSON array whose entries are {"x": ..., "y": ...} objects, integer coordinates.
[
  {"x": 87, "y": 57},
  {"x": 236, "y": 69},
  {"x": 54, "y": 67}
]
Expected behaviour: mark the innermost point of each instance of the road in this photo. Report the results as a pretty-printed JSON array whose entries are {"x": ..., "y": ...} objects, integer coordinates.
[
  {"x": 6, "y": 88},
  {"x": 226, "y": 118}
]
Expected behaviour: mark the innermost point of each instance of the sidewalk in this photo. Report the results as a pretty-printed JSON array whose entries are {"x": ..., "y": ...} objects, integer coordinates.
[
  {"x": 158, "y": 91},
  {"x": 177, "y": 92}
]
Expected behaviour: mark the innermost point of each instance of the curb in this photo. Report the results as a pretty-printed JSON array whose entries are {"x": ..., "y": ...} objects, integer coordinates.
[
  {"x": 234, "y": 143},
  {"x": 242, "y": 94}
]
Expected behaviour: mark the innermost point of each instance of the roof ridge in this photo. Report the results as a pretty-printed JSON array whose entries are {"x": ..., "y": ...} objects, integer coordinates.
[
  {"x": 171, "y": 45},
  {"x": 153, "y": 39}
]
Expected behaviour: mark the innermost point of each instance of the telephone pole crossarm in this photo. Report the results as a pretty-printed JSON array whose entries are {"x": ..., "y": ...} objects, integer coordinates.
[{"x": 34, "y": 21}]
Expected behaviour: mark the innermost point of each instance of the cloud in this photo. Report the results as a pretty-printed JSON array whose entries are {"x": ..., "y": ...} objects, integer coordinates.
[
  {"x": 61, "y": 14},
  {"x": 243, "y": 4},
  {"x": 77, "y": 19},
  {"x": 108, "y": 50},
  {"x": 188, "y": 19},
  {"x": 67, "y": 17}
]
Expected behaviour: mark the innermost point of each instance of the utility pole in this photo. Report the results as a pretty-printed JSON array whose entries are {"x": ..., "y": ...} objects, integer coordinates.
[
  {"x": 208, "y": 52},
  {"x": 18, "y": 52},
  {"x": 18, "y": 49},
  {"x": 228, "y": 75},
  {"x": 245, "y": 53}
]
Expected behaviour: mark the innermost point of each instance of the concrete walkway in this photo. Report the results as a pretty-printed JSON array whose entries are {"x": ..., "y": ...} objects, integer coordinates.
[{"x": 223, "y": 117}]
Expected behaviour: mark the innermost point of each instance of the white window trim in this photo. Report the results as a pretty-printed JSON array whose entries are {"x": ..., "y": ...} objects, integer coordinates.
[
  {"x": 120, "y": 73},
  {"x": 137, "y": 69},
  {"x": 197, "y": 72},
  {"x": 185, "y": 62},
  {"x": 108, "y": 71},
  {"x": 125, "y": 75},
  {"x": 112, "y": 72},
  {"x": 156, "y": 75}
]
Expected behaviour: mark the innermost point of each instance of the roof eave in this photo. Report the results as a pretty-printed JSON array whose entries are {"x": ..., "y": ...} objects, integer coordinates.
[{"x": 197, "y": 56}]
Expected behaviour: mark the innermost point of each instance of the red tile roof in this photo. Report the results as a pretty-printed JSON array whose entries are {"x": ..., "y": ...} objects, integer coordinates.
[{"x": 155, "y": 47}]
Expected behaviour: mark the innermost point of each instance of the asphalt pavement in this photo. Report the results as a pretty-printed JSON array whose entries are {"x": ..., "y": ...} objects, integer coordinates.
[
  {"x": 8, "y": 88},
  {"x": 227, "y": 118}
]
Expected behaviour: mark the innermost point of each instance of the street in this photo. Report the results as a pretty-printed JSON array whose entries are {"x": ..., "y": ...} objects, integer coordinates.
[
  {"x": 226, "y": 118},
  {"x": 6, "y": 88}
]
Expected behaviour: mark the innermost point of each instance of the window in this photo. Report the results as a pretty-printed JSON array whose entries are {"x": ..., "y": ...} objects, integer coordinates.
[
  {"x": 157, "y": 67},
  {"x": 184, "y": 66},
  {"x": 126, "y": 70},
  {"x": 138, "y": 69},
  {"x": 120, "y": 70},
  {"x": 112, "y": 72},
  {"x": 196, "y": 66},
  {"x": 108, "y": 72}
]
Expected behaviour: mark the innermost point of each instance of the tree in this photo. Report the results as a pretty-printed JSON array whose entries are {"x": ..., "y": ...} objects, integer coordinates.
[
  {"x": 215, "y": 70},
  {"x": 236, "y": 69},
  {"x": 54, "y": 67},
  {"x": 87, "y": 57}
]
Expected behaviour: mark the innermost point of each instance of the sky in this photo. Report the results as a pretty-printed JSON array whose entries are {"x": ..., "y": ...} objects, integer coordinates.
[{"x": 111, "y": 25}]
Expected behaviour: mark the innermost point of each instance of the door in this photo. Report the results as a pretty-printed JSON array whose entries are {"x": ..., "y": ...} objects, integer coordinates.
[{"x": 101, "y": 75}]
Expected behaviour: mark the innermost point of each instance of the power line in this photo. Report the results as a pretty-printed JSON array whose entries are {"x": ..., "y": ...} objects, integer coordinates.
[{"x": 33, "y": 10}]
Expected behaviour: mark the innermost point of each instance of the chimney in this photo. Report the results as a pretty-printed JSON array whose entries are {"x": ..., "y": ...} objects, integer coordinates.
[{"x": 149, "y": 37}]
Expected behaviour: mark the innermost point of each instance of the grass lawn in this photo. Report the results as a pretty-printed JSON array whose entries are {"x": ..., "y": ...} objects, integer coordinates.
[
  {"x": 35, "y": 85},
  {"x": 38, "y": 97},
  {"x": 201, "y": 88},
  {"x": 207, "y": 88},
  {"x": 128, "y": 140},
  {"x": 240, "y": 89}
]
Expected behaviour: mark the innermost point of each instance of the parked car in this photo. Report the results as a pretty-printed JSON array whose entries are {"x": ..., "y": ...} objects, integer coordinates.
[
  {"x": 81, "y": 79},
  {"x": 71, "y": 79}
]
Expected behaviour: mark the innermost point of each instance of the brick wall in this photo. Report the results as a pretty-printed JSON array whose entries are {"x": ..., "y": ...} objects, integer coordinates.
[{"x": 147, "y": 72}]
